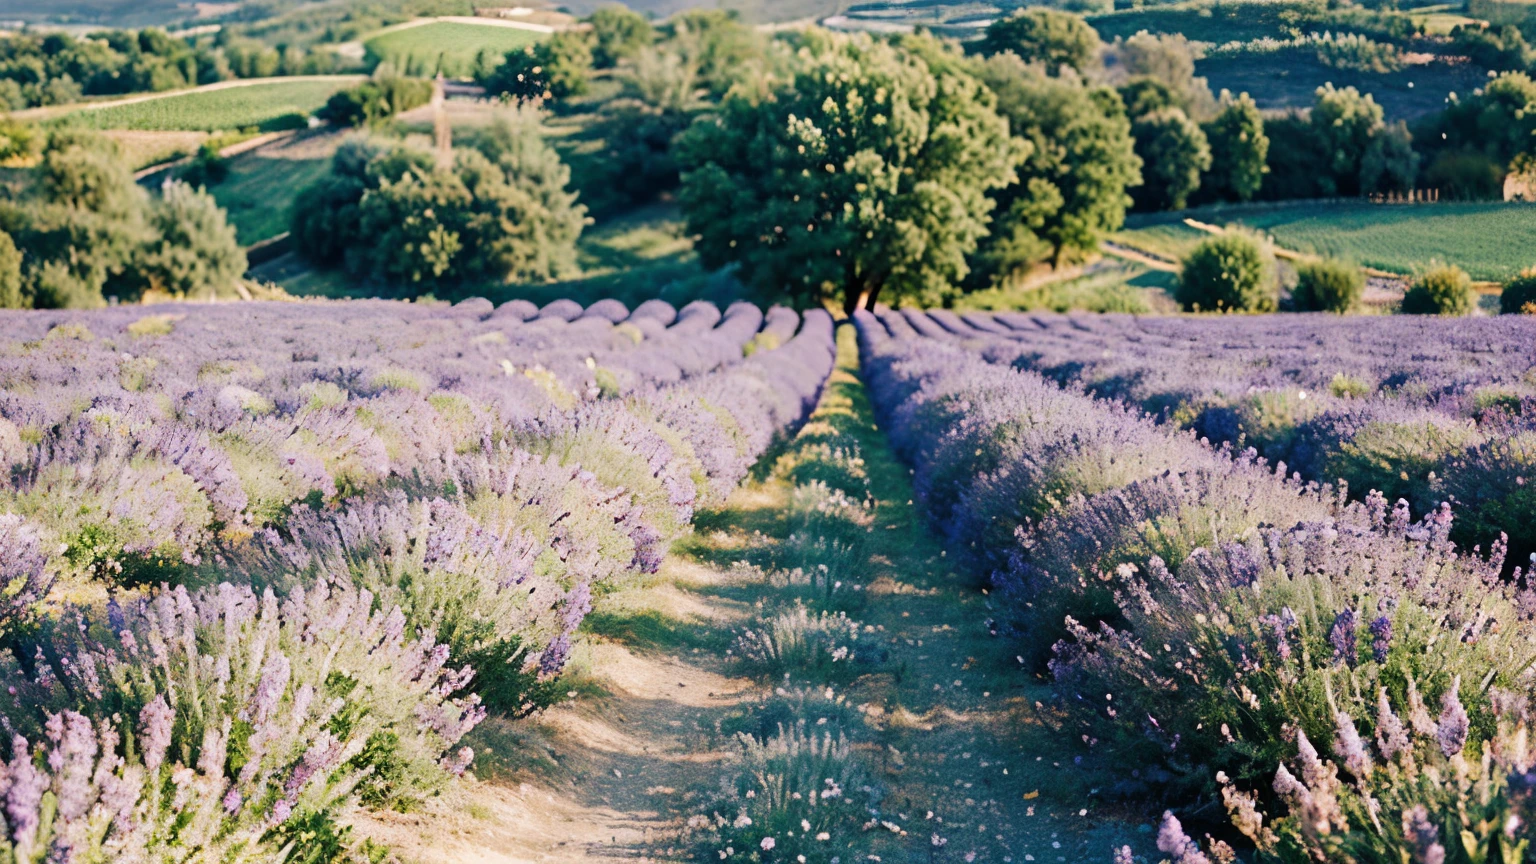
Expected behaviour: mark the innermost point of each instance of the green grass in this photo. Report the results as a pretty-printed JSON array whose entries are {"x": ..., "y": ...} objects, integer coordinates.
[
  {"x": 260, "y": 188},
  {"x": 1491, "y": 241},
  {"x": 1108, "y": 286},
  {"x": 274, "y": 105},
  {"x": 446, "y": 46}
]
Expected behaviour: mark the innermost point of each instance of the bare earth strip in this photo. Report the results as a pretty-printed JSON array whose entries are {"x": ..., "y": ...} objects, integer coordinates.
[{"x": 954, "y": 734}]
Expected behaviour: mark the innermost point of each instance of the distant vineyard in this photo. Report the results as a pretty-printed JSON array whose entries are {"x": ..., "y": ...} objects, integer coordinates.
[
  {"x": 1490, "y": 241},
  {"x": 446, "y": 46},
  {"x": 267, "y": 106}
]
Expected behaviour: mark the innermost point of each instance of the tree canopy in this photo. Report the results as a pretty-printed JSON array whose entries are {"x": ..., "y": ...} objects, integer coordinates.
[
  {"x": 866, "y": 173},
  {"x": 1047, "y": 36},
  {"x": 391, "y": 215},
  {"x": 1072, "y": 186}
]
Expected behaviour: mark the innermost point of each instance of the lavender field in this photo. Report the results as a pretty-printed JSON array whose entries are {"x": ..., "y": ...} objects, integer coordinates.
[{"x": 382, "y": 581}]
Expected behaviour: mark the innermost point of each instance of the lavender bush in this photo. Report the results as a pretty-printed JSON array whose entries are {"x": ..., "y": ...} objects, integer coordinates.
[
  {"x": 406, "y": 510},
  {"x": 1205, "y": 605}
]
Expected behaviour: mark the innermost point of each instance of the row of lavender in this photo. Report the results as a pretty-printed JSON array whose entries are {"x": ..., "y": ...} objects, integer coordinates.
[
  {"x": 263, "y": 561},
  {"x": 1409, "y": 406},
  {"x": 1204, "y": 619}
]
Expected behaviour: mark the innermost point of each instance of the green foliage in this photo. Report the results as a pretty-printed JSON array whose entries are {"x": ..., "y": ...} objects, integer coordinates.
[
  {"x": 661, "y": 97},
  {"x": 1357, "y": 53},
  {"x": 1328, "y": 285},
  {"x": 194, "y": 254},
  {"x": 391, "y": 215},
  {"x": 553, "y": 70},
  {"x": 1400, "y": 460},
  {"x": 1171, "y": 60},
  {"x": 1174, "y": 153},
  {"x": 1499, "y": 120},
  {"x": 376, "y": 99},
  {"x": 1231, "y": 272},
  {"x": 1071, "y": 187},
  {"x": 866, "y": 172},
  {"x": 1442, "y": 289},
  {"x": 206, "y": 168},
  {"x": 619, "y": 34},
  {"x": 724, "y": 50},
  {"x": 800, "y": 776},
  {"x": 1465, "y": 175},
  {"x": 1343, "y": 147},
  {"x": 1345, "y": 122},
  {"x": 1517, "y": 298},
  {"x": 56, "y": 68},
  {"x": 1500, "y": 48},
  {"x": 1239, "y": 151},
  {"x": 17, "y": 140},
  {"x": 1046, "y": 36},
  {"x": 11, "y": 296}
]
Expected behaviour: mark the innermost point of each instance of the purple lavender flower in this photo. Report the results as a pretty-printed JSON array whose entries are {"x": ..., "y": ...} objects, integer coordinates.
[
  {"x": 1381, "y": 638},
  {"x": 1342, "y": 637},
  {"x": 1422, "y": 835},
  {"x": 1391, "y": 737},
  {"x": 1451, "y": 732},
  {"x": 1348, "y": 746},
  {"x": 155, "y": 732}
]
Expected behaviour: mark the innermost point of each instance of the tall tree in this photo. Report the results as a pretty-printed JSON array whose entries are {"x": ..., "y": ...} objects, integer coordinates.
[
  {"x": 553, "y": 70},
  {"x": 1174, "y": 153},
  {"x": 1047, "y": 36},
  {"x": 618, "y": 34},
  {"x": 1346, "y": 121},
  {"x": 1239, "y": 150},
  {"x": 1072, "y": 187},
  {"x": 1171, "y": 60},
  {"x": 866, "y": 174},
  {"x": 194, "y": 253}
]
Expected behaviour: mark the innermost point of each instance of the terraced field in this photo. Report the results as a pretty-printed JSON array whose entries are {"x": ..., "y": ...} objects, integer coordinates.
[
  {"x": 266, "y": 105},
  {"x": 1491, "y": 241},
  {"x": 447, "y": 46}
]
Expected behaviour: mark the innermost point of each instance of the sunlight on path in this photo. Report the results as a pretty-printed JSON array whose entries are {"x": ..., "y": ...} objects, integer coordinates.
[{"x": 949, "y": 728}]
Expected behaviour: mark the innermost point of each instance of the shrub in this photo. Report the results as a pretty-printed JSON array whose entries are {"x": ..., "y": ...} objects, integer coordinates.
[
  {"x": 1233, "y": 272},
  {"x": 1519, "y": 294},
  {"x": 1443, "y": 289},
  {"x": 798, "y": 643},
  {"x": 1329, "y": 285},
  {"x": 250, "y": 712},
  {"x": 796, "y": 797}
]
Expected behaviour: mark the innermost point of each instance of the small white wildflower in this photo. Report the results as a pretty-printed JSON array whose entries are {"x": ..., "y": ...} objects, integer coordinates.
[{"x": 767, "y": 843}]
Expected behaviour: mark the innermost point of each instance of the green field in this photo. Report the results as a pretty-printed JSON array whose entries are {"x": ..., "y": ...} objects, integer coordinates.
[
  {"x": 1490, "y": 241},
  {"x": 266, "y": 106},
  {"x": 446, "y": 46},
  {"x": 258, "y": 193}
]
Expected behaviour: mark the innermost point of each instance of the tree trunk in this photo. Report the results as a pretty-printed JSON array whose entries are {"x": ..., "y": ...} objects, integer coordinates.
[
  {"x": 872, "y": 295},
  {"x": 850, "y": 300}
]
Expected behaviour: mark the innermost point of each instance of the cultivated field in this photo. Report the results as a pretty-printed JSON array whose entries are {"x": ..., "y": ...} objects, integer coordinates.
[
  {"x": 264, "y": 105},
  {"x": 449, "y": 47},
  {"x": 258, "y": 193},
  {"x": 1491, "y": 241}
]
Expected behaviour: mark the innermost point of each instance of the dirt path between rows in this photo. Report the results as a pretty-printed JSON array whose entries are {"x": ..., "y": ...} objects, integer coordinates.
[{"x": 950, "y": 729}]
